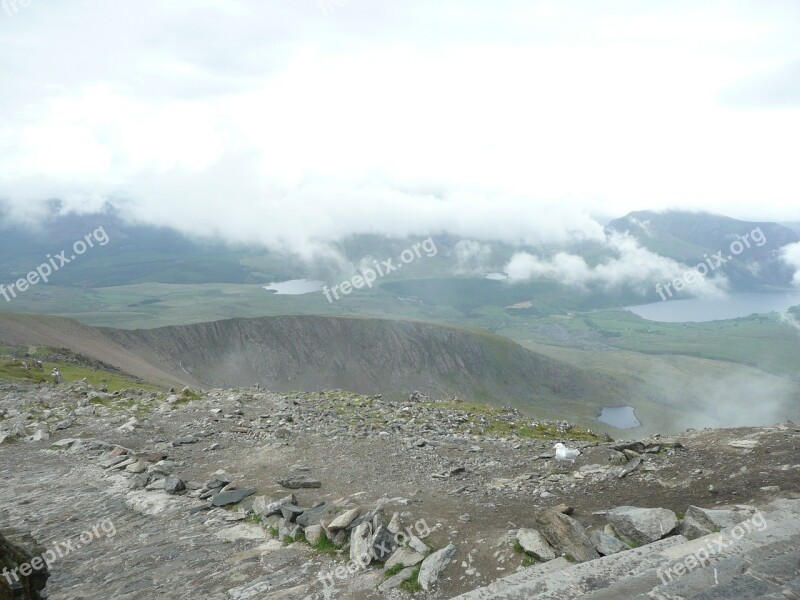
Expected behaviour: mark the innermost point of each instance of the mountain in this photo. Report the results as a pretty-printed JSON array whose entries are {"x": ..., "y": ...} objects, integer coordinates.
[
  {"x": 307, "y": 353},
  {"x": 750, "y": 248},
  {"x": 364, "y": 355}
]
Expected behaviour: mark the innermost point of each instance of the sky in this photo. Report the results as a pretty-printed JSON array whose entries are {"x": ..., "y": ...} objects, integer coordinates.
[{"x": 292, "y": 124}]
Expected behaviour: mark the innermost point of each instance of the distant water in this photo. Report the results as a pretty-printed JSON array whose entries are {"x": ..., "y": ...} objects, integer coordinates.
[
  {"x": 698, "y": 310},
  {"x": 295, "y": 287},
  {"x": 621, "y": 417},
  {"x": 497, "y": 276}
]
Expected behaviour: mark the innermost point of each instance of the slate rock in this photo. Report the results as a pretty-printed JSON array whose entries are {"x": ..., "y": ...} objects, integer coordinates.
[
  {"x": 314, "y": 515},
  {"x": 174, "y": 485},
  {"x": 642, "y": 525},
  {"x": 344, "y": 519},
  {"x": 361, "y": 544},
  {"x": 186, "y": 439},
  {"x": 290, "y": 512},
  {"x": 383, "y": 544},
  {"x": 232, "y": 496},
  {"x": 535, "y": 544},
  {"x": 296, "y": 483},
  {"x": 404, "y": 556},
  {"x": 433, "y": 565},
  {"x": 313, "y": 533},
  {"x": 566, "y": 535},
  {"x": 265, "y": 507},
  {"x": 395, "y": 580},
  {"x": 607, "y": 544}
]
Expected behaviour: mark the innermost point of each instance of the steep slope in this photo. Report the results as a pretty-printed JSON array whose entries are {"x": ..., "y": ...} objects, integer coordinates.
[
  {"x": 363, "y": 355},
  {"x": 306, "y": 353},
  {"x": 57, "y": 332}
]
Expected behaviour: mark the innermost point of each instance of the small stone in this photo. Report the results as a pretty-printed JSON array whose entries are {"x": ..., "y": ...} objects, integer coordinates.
[
  {"x": 295, "y": 483},
  {"x": 313, "y": 533},
  {"x": 174, "y": 485},
  {"x": 232, "y": 497},
  {"x": 344, "y": 520},
  {"x": 137, "y": 467},
  {"x": 607, "y": 544},
  {"x": 139, "y": 481},
  {"x": 186, "y": 439}
]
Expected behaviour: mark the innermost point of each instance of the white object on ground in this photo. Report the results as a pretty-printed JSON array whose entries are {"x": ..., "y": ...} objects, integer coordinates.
[{"x": 564, "y": 453}]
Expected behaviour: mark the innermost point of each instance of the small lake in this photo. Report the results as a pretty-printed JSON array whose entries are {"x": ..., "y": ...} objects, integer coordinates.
[
  {"x": 295, "y": 287},
  {"x": 621, "y": 417},
  {"x": 733, "y": 306}
]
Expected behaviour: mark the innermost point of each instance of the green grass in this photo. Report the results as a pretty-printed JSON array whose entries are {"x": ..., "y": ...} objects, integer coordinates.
[
  {"x": 391, "y": 572},
  {"x": 254, "y": 518},
  {"x": 411, "y": 583},
  {"x": 11, "y": 370},
  {"x": 324, "y": 545},
  {"x": 527, "y": 559}
]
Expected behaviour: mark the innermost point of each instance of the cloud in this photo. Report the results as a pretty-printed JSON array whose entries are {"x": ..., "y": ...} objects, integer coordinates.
[
  {"x": 279, "y": 124},
  {"x": 791, "y": 256},
  {"x": 632, "y": 266},
  {"x": 790, "y": 320},
  {"x": 471, "y": 256},
  {"x": 770, "y": 88}
]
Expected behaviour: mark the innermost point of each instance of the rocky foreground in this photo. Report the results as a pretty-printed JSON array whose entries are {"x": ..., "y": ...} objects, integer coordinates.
[{"x": 247, "y": 494}]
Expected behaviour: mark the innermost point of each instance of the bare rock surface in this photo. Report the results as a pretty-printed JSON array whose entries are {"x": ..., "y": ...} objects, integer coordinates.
[{"x": 421, "y": 478}]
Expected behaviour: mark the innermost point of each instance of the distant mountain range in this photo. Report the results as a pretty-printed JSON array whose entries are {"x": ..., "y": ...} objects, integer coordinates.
[
  {"x": 146, "y": 254},
  {"x": 750, "y": 249}
]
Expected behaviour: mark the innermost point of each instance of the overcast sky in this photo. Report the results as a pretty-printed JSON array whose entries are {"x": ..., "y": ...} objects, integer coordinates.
[{"x": 296, "y": 122}]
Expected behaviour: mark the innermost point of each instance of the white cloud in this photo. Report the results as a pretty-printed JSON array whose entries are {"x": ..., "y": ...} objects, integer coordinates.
[
  {"x": 472, "y": 256},
  {"x": 633, "y": 266},
  {"x": 276, "y": 123},
  {"x": 791, "y": 256}
]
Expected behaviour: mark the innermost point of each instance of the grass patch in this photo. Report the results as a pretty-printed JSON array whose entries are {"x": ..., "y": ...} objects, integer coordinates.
[
  {"x": 527, "y": 559},
  {"x": 254, "y": 518},
  {"x": 411, "y": 583},
  {"x": 274, "y": 532},
  {"x": 394, "y": 570},
  {"x": 324, "y": 545}
]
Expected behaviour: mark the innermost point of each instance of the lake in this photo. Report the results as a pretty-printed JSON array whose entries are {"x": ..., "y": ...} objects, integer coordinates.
[
  {"x": 621, "y": 417},
  {"x": 698, "y": 310},
  {"x": 295, "y": 287}
]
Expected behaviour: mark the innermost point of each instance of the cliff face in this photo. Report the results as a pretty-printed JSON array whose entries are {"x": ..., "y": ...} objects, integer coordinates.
[{"x": 363, "y": 355}]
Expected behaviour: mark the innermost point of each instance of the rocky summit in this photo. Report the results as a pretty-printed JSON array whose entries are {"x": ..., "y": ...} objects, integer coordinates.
[{"x": 243, "y": 493}]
